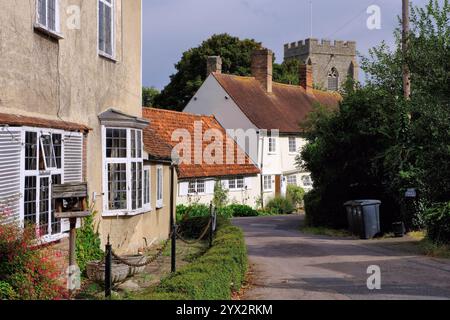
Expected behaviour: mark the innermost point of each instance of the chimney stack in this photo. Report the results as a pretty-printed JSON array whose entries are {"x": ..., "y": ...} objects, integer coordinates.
[
  {"x": 214, "y": 64},
  {"x": 262, "y": 68},
  {"x": 306, "y": 78}
]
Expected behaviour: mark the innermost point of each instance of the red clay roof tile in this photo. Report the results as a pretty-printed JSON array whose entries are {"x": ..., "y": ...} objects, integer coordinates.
[
  {"x": 162, "y": 125},
  {"x": 283, "y": 109}
]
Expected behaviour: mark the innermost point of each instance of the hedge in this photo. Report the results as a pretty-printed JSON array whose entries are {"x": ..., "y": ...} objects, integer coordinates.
[{"x": 213, "y": 276}]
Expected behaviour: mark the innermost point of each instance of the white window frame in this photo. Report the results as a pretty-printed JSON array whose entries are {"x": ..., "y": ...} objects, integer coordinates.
[
  {"x": 45, "y": 27},
  {"x": 147, "y": 175},
  {"x": 272, "y": 148},
  {"x": 292, "y": 141},
  {"x": 310, "y": 184},
  {"x": 159, "y": 187},
  {"x": 235, "y": 182},
  {"x": 196, "y": 183},
  {"x": 101, "y": 52},
  {"x": 290, "y": 183},
  {"x": 128, "y": 161},
  {"x": 268, "y": 185},
  {"x": 41, "y": 174}
]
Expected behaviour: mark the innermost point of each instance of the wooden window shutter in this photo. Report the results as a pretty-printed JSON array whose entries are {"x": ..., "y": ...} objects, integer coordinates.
[{"x": 10, "y": 174}]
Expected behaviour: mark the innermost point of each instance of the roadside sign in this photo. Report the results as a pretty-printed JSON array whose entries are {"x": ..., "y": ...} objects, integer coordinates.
[{"x": 411, "y": 193}]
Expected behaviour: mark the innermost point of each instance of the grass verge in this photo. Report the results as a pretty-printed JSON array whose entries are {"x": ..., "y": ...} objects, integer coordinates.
[
  {"x": 213, "y": 276},
  {"x": 323, "y": 231}
]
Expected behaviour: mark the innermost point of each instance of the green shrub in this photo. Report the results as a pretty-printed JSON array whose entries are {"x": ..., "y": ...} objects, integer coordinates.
[
  {"x": 88, "y": 244},
  {"x": 220, "y": 199},
  {"x": 437, "y": 219},
  {"x": 193, "y": 227},
  {"x": 240, "y": 210},
  {"x": 194, "y": 210},
  {"x": 27, "y": 271},
  {"x": 296, "y": 195},
  {"x": 226, "y": 212},
  {"x": 214, "y": 275},
  {"x": 280, "y": 205}
]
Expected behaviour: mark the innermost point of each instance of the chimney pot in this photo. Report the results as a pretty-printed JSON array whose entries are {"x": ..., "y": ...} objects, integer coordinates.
[
  {"x": 262, "y": 68},
  {"x": 306, "y": 77},
  {"x": 214, "y": 64}
]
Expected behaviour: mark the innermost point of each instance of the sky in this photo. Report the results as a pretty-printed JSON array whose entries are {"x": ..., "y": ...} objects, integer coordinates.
[{"x": 171, "y": 27}]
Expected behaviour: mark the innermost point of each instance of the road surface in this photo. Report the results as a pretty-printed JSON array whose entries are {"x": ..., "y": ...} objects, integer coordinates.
[{"x": 288, "y": 264}]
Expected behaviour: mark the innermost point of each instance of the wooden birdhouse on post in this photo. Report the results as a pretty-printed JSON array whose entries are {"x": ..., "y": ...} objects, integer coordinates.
[{"x": 71, "y": 203}]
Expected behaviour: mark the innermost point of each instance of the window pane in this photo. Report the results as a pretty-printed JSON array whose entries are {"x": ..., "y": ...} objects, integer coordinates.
[
  {"x": 232, "y": 184},
  {"x": 101, "y": 26},
  {"x": 30, "y": 200},
  {"x": 57, "y": 149},
  {"x": 116, "y": 143},
  {"x": 200, "y": 186},
  {"x": 139, "y": 144},
  {"x": 108, "y": 30},
  {"x": 133, "y": 143},
  {"x": 31, "y": 151},
  {"x": 44, "y": 207},
  {"x": 160, "y": 184},
  {"x": 240, "y": 183},
  {"x": 117, "y": 186},
  {"x": 146, "y": 186},
  {"x": 51, "y": 15},
  {"x": 292, "y": 145},
  {"x": 47, "y": 149},
  {"x": 139, "y": 185},
  {"x": 133, "y": 185},
  {"x": 42, "y": 12},
  {"x": 56, "y": 223},
  {"x": 192, "y": 187}
]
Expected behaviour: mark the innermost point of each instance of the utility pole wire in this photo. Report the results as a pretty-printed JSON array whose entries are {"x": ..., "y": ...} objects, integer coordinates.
[{"x": 405, "y": 36}]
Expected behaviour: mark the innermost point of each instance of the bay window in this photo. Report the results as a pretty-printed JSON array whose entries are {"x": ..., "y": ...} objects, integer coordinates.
[{"x": 124, "y": 171}]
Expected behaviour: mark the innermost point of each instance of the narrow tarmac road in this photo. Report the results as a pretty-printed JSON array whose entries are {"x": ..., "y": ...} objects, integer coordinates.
[{"x": 291, "y": 265}]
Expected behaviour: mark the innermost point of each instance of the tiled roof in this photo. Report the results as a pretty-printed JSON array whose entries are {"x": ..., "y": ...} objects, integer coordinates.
[
  {"x": 283, "y": 109},
  {"x": 18, "y": 120},
  {"x": 156, "y": 146},
  {"x": 162, "y": 125}
]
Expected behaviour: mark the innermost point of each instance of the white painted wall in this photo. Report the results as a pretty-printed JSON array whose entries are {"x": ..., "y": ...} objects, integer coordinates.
[
  {"x": 248, "y": 196},
  {"x": 211, "y": 100}
]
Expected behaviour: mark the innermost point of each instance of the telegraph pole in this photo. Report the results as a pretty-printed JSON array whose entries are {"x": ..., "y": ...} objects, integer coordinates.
[{"x": 405, "y": 35}]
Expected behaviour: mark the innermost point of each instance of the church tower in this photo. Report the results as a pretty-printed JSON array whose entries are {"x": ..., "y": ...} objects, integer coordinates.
[{"x": 332, "y": 62}]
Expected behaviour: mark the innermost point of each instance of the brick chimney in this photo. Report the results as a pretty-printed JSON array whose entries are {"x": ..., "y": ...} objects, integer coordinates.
[
  {"x": 214, "y": 64},
  {"x": 306, "y": 77},
  {"x": 262, "y": 68}
]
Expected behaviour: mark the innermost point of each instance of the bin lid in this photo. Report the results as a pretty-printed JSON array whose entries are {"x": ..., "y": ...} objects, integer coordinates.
[{"x": 362, "y": 203}]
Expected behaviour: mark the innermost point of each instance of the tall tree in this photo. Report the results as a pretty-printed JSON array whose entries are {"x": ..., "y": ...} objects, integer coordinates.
[
  {"x": 148, "y": 96},
  {"x": 370, "y": 147},
  {"x": 191, "y": 69}
]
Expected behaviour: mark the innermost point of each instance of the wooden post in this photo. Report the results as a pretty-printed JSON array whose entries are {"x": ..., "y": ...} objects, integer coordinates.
[
  {"x": 174, "y": 249},
  {"x": 405, "y": 36},
  {"x": 108, "y": 266},
  {"x": 211, "y": 228}
]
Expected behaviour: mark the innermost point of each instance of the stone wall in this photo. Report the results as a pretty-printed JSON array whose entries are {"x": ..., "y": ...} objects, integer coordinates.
[{"x": 324, "y": 55}]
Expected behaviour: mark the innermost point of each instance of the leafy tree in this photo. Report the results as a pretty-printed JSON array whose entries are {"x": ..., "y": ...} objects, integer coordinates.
[
  {"x": 191, "y": 69},
  {"x": 148, "y": 96},
  {"x": 287, "y": 72},
  {"x": 378, "y": 144}
]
